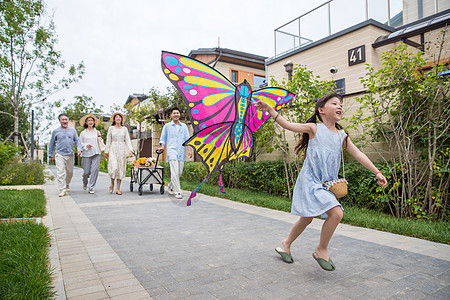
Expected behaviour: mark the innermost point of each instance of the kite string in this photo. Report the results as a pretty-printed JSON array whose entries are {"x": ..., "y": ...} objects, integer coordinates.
[{"x": 193, "y": 194}]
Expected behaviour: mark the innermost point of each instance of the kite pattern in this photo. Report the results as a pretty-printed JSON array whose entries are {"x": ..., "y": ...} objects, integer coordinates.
[{"x": 221, "y": 114}]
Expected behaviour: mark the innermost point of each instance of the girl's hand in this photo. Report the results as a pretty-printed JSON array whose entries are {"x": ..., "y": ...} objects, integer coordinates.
[
  {"x": 130, "y": 154},
  {"x": 381, "y": 180},
  {"x": 98, "y": 134},
  {"x": 263, "y": 106},
  {"x": 89, "y": 146}
]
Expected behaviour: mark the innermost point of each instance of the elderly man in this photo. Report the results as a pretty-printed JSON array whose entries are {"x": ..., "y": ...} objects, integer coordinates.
[
  {"x": 62, "y": 142},
  {"x": 173, "y": 135}
]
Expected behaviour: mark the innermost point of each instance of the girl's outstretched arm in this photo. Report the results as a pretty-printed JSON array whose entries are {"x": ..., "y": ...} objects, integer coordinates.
[
  {"x": 365, "y": 161},
  {"x": 309, "y": 128}
]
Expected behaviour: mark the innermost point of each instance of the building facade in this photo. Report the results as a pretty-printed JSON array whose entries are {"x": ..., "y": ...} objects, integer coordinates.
[{"x": 343, "y": 56}]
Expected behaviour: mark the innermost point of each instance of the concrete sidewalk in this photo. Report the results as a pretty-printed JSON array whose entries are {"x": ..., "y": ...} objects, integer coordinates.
[{"x": 108, "y": 246}]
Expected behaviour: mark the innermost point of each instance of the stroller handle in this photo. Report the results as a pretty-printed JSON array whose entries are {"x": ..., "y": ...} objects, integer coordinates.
[{"x": 159, "y": 152}]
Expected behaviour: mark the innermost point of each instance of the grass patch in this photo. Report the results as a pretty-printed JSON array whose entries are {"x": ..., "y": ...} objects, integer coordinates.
[
  {"x": 25, "y": 271},
  {"x": 22, "y": 203},
  {"x": 429, "y": 230},
  {"x": 245, "y": 196}
]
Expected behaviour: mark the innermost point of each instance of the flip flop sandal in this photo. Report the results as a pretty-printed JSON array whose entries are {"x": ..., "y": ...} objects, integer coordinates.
[
  {"x": 332, "y": 263},
  {"x": 327, "y": 265},
  {"x": 284, "y": 256}
]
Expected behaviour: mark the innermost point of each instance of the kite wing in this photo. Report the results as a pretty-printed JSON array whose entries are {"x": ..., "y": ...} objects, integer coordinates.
[
  {"x": 210, "y": 96},
  {"x": 213, "y": 145},
  {"x": 215, "y": 115},
  {"x": 275, "y": 97}
]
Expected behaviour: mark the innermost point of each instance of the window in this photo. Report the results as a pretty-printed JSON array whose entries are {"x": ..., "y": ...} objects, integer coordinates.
[
  {"x": 234, "y": 76},
  {"x": 260, "y": 81}
]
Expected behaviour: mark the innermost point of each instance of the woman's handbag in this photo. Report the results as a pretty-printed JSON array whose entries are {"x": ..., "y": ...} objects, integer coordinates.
[
  {"x": 101, "y": 145},
  {"x": 338, "y": 186}
]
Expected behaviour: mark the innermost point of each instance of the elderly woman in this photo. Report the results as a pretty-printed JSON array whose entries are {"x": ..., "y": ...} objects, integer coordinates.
[
  {"x": 118, "y": 145},
  {"x": 90, "y": 160}
]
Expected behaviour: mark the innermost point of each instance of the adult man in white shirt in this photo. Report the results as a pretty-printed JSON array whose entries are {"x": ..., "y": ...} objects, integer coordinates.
[{"x": 173, "y": 135}]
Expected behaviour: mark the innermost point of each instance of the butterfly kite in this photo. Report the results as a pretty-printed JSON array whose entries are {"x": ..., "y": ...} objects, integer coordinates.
[{"x": 223, "y": 115}]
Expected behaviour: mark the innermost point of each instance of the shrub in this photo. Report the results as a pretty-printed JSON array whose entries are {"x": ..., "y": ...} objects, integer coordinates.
[
  {"x": 269, "y": 177},
  {"x": 8, "y": 152},
  {"x": 18, "y": 173}
]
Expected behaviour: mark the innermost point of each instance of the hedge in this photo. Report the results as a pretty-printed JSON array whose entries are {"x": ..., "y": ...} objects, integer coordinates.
[{"x": 269, "y": 176}]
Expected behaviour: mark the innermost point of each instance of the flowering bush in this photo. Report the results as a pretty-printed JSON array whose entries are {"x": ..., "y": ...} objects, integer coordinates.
[{"x": 145, "y": 162}]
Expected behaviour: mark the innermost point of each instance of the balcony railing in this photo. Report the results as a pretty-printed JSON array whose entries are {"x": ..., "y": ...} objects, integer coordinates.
[{"x": 336, "y": 15}]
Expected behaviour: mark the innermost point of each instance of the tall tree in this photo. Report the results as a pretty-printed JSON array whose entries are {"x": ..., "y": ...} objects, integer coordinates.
[
  {"x": 410, "y": 112},
  {"x": 307, "y": 88},
  {"x": 28, "y": 57},
  {"x": 82, "y": 105}
]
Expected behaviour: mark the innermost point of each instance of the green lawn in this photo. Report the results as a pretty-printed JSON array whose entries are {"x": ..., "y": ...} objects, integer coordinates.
[
  {"x": 24, "y": 265},
  {"x": 22, "y": 203},
  {"x": 433, "y": 231},
  {"x": 25, "y": 271}
]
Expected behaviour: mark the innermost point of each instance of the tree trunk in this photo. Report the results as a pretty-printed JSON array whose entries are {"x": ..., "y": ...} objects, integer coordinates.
[{"x": 16, "y": 125}]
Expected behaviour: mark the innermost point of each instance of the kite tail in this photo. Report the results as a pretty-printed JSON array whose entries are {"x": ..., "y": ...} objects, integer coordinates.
[
  {"x": 193, "y": 194},
  {"x": 221, "y": 183}
]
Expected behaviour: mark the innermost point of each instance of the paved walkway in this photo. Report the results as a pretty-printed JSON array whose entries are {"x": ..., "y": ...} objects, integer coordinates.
[{"x": 108, "y": 246}]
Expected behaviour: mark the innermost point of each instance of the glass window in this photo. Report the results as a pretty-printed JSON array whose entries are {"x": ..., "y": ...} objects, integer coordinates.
[
  {"x": 260, "y": 81},
  {"x": 234, "y": 76}
]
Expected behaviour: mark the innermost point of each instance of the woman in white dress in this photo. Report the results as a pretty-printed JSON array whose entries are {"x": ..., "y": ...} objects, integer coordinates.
[
  {"x": 118, "y": 145},
  {"x": 90, "y": 160}
]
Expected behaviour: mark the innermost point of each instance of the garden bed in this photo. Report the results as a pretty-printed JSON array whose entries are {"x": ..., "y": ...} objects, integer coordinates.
[
  {"x": 25, "y": 271},
  {"x": 22, "y": 204}
]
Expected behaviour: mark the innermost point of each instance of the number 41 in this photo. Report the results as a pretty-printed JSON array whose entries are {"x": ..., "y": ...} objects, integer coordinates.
[{"x": 353, "y": 56}]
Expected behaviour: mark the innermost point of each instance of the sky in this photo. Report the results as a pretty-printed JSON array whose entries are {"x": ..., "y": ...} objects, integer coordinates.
[{"x": 120, "y": 42}]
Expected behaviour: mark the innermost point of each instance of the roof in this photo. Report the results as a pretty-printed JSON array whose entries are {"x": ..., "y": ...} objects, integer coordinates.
[
  {"x": 228, "y": 53},
  {"x": 415, "y": 28},
  {"x": 140, "y": 97}
]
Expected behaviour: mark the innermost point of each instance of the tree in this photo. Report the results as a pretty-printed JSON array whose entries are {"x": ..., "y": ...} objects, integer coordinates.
[
  {"x": 82, "y": 105},
  {"x": 28, "y": 57},
  {"x": 410, "y": 111},
  {"x": 140, "y": 113},
  {"x": 163, "y": 102},
  {"x": 307, "y": 89}
]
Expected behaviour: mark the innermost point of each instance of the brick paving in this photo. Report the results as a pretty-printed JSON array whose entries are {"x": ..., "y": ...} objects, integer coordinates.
[{"x": 153, "y": 247}]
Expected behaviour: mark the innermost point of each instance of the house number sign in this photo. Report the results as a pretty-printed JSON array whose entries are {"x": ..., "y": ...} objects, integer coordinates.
[{"x": 357, "y": 55}]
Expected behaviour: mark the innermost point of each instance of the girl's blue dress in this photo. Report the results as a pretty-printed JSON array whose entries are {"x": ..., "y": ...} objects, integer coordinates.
[{"x": 323, "y": 155}]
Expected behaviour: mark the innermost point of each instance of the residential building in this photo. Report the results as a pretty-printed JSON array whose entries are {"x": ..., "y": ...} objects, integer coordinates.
[{"x": 338, "y": 38}]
